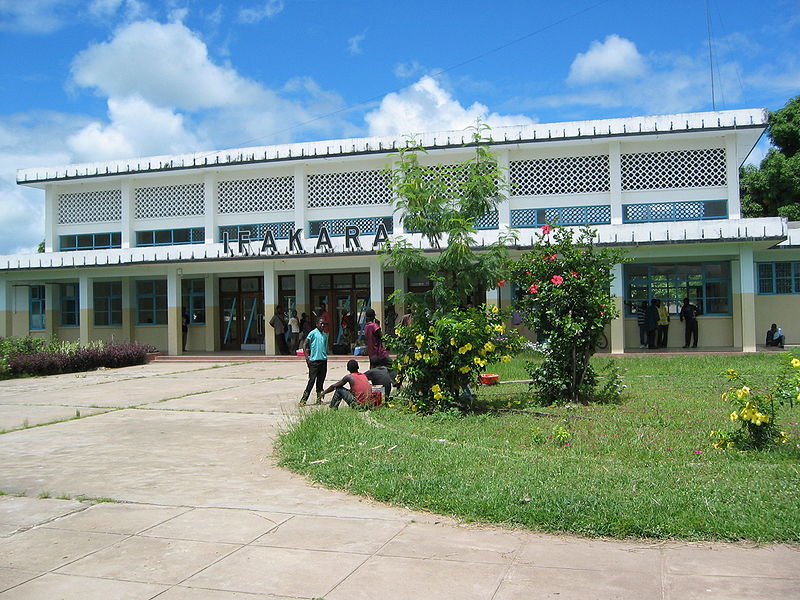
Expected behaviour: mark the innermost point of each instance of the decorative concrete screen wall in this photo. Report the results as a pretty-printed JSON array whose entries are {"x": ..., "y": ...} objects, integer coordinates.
[
  {"x": 170, "y": 201},
  {"x": 567, "y": 175},
  {"x": 353, "y": 188},
  {"x": 256, "y": 195},
  {"x": 90, "y": 207},
  {"x": 676, "y": 169}
]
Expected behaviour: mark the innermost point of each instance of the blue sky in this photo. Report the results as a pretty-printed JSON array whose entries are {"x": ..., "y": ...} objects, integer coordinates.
[{"x": 101, "y": 79}]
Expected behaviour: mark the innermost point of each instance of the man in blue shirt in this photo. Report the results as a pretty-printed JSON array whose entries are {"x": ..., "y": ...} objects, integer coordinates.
[{"x": 315, "y": 349}]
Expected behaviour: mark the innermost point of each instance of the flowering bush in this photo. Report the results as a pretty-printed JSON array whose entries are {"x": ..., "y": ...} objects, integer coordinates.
[
  {"x": 566, "y": 297},
  {"x": 756, "y": 412},
  {"x": 438, "y": 358}
]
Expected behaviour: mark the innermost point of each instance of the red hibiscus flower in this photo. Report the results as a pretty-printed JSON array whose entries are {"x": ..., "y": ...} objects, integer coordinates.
[
  {"x": 533, "y": 289},
  {"x": 557, "y": 279},
  {"x": 574, "y": 274},
  {"x": 501, "y": 283},
  {"x": 546, "y": 229}
]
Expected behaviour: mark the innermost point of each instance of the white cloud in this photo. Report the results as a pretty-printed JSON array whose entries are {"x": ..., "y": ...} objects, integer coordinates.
[
  {"x": 408, "y": 70},
  {"x": 133, "y": 9},
  {"x": 426, "y": 106},
  {"x": 613, "y": 59},
  {"x": 266, "y": 10},
  {"x": 32, "y": 16},
  {"x": 165, "y": 64},
  {"x": 136, "y": 129},
  {"x": 354, "y": 43}
]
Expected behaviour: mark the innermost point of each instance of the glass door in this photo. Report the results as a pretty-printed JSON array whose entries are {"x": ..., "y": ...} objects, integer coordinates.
[
  {"x": 252, "y": 322},
  {"x": 242, "y": 314},
  {"x": 230, "y": 323}
]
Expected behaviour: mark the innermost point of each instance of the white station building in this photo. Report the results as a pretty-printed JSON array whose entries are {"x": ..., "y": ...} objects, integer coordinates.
[{"x": 225, "y": 237}]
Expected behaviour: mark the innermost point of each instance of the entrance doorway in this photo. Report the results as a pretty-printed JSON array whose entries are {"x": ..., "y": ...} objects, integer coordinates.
[
  {"x": 242, "y": 314},
  {"x": 346, "y": 298}
]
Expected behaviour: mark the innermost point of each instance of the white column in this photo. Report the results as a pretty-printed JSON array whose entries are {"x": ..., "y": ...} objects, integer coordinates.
[
  {"x": 615, "y": 181},
  {"x": 50, "y": 214},
  {"x": 210, "y": 207},
  {"x": 748, "y": 299},
  {"x": 301, "y": 293},
  {"x": 128, "y": 213},
  {"x": 86, "y": 307},
  {"x": 270, "y": 301},
  {"x": 504, "y": 207},
  {"x": 376, "y": 287},
  {"x": 300, "y": 199},
  {"x": 617, "y": 326},
  {"x": 732, "y": 177},
  {"x": 6, "y": 308},
  {"x": 174, "y": 333}
]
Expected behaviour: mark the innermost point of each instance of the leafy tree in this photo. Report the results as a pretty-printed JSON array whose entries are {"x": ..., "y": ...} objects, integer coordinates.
[
  {"x": 448, "y": 344},
  {"x": 773, "y": 189},
  {"x": 566, "y": 284},
  {"x": 40, "y": 247}
]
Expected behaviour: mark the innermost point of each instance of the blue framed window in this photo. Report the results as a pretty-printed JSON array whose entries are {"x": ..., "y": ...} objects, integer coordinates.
[
  {"x": 107, "y": 303},
  {"x": 90, "y": 241},
  {"x": 675, "y": 211},
  {"x": 257, "y": 231},
  {"x": 779, "y": 278},
  {"x": 171, "y": 237},
  {"x": 193, "y": 293},
  {"x": 70, "y": 307},
  {"x": 707, "y": 285},
  {"x": 36, "y": 308},
  {"x": 566, "y": 215},
  {"x": 151, "y": 302}
]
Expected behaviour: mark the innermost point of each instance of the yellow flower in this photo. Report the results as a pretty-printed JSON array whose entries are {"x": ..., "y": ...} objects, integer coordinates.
[
  {"x": 479, "y": 361},
  {"x": 488, "y": 347},
  {"x": 452, "y": 341},
  {"x": 731, "y": 374},
  {"x": 420, "y": 338},
  {"x": 784, "y": 437},
  {"x": 438, "y": 396},
  {"x": 464, "y": 369},
  {"x": 796, "y": 362},
  {"x": 417, "y": 355},
  {"x": 430, "y": 329},
  {"x": 743, "y": 393},
  {"x": 436, "y": 388},
  {"x": 734, "y": 416},
  {"x": 495, "y": 310},
  {"x": 500, "y": 328},
  {"x": 505, "y": 358}
]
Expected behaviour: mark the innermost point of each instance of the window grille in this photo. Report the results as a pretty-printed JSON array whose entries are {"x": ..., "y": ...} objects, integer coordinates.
[
  {"x": 676, "y": 169},
  {"x": 170, "y": 201},
  {"x": 280, "y": 231},
  {"x": 779, "y": 278},
  {"x": 151, "y": 302},
  {"x": 70, "y": 308},
  {"x": 567, "y": 175},
  {"x": 90, "y": 207},
  {"x": 572, "y": 215},
  {"x": 707, "y": 285},
  {"x": 36, "y": 307},
  {"x": 256, "y": 195},
  {"x": 336, "y": 227},
  {"x": 488, "y": 221},
  {"x": 675, "y": 211},
  {"x": 193, "y": 292},
  {"x": 355, "y": 188}
]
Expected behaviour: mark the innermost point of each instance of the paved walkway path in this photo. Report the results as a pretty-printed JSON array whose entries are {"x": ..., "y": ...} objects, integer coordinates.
[{"x": 201, "y": 512}]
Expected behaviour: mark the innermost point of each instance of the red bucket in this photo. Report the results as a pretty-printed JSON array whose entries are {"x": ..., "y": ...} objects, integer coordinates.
[{"x": 489, "y": 378}]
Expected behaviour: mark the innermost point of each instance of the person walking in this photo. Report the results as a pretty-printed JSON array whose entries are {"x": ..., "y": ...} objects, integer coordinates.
[
  {"x": 279, "y": 325},
  {"x": 315, "y": 349},
  {"x": 651, "y": 323},
  {"x": 641, "y": 314},
  {"x": 663, "y": 325},
  {"x": 688, "y": 316}
]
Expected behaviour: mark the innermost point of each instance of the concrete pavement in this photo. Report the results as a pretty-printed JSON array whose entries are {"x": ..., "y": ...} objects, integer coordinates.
[{"x": 200, "y": 511}]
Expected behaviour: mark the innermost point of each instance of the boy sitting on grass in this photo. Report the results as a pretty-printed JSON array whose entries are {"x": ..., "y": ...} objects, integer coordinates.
[{"x": 360, "y": 388}]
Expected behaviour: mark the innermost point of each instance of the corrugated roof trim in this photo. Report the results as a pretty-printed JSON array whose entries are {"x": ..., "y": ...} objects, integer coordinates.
[{"x": 442, "y": 139}]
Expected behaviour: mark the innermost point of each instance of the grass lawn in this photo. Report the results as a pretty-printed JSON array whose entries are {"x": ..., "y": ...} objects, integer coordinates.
[{"x": 644, "y": 468}]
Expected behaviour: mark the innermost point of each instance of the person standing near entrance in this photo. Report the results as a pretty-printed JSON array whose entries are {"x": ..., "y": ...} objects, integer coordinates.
[
  {"x": 279, "y": 325},
  {"x": 294, "y": 333},
  {"x": 315, "y": 349},
  {"x": 689, "y": 314},
  {"x": 651, "y": 323},
  {"x": 378, "y": 356},
  {"x": 184, "y": 330},
  {"x": 663, "y": 324}
]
